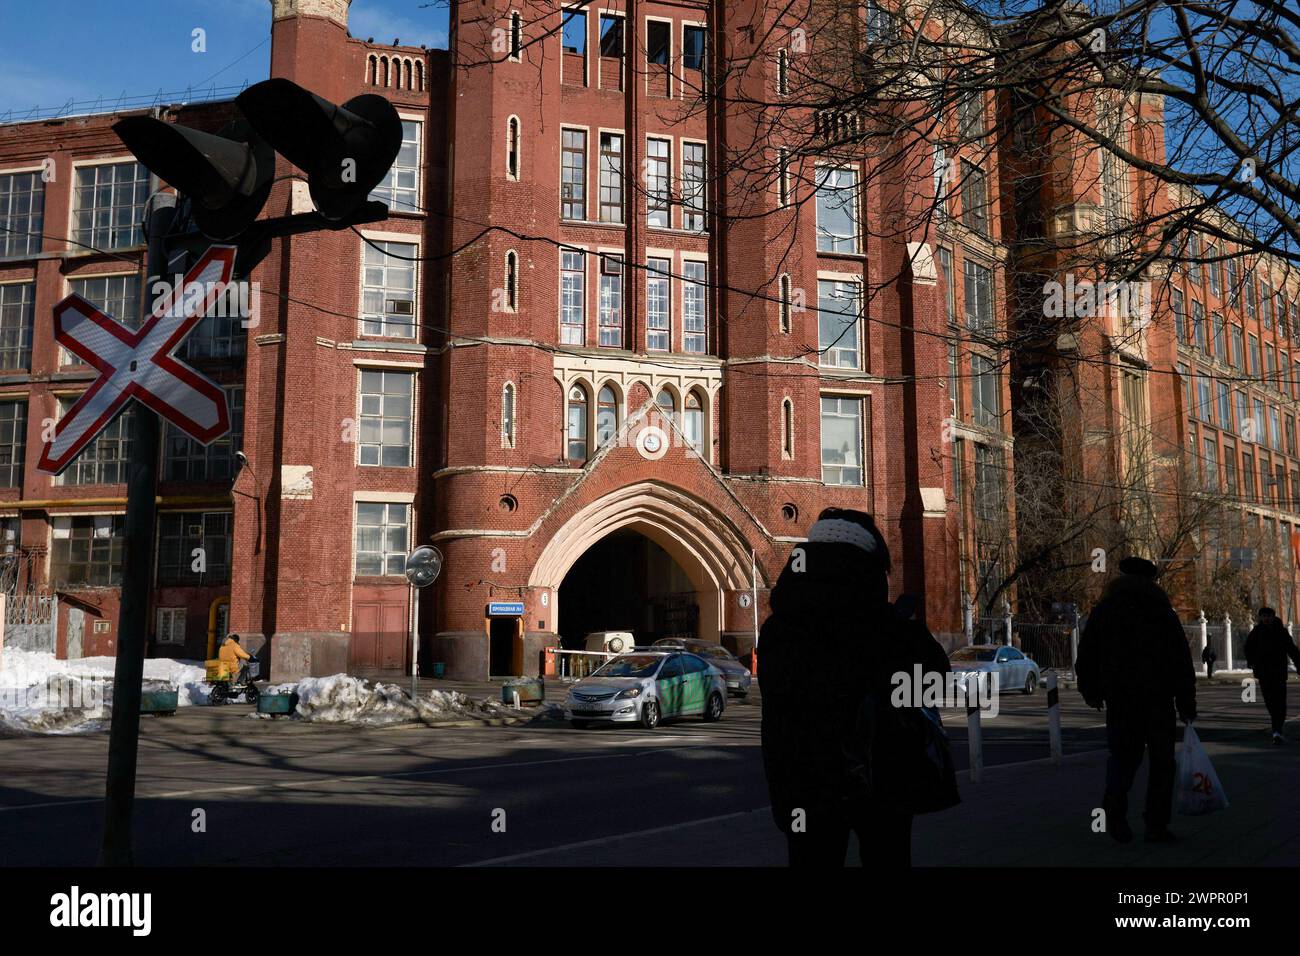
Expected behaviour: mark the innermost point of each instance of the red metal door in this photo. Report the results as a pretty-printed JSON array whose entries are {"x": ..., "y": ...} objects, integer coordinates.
[{"x": 380, "y": 634}]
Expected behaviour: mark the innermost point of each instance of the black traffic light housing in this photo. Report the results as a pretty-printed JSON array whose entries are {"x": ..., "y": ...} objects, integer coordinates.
[
  {"x": 345, "y": 150},
  {"x": 227, "y": 176}
]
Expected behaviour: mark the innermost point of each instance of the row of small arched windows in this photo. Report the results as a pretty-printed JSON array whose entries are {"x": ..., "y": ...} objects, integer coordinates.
[{"x": 395, "y": 72}]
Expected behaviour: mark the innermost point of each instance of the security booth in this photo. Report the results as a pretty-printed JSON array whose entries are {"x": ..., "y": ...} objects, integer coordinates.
[{"x": 504, "y": 624}]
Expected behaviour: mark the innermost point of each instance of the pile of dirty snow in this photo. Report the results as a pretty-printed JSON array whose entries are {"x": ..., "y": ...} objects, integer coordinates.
[
  {"x": 352, "y": 700},
  {"x": 41, "y": 694}
]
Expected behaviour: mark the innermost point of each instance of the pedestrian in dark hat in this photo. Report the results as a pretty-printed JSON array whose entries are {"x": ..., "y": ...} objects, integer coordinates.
[
  {"x": 1267, "y": 649},
  {"x": 1135, "y": 662}
]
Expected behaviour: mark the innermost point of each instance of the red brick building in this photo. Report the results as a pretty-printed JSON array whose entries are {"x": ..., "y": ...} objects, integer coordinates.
[{"x": 551, "y": 361}]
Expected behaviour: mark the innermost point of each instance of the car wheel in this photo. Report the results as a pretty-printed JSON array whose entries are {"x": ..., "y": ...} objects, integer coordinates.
[
  {"x": 713, "y": 709},
  {"x": 579, "y": 724},
  {"x": 1031, "y": 683},
  {"x": 650, "y": 714}
]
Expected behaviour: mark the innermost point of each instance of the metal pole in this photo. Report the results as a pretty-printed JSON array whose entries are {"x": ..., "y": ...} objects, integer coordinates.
[
  {"x": 974, "y": 736},
  {"x": 753, "y": 581},
  {"x": 1227, "y": 647},
  {"x": 968, "y": 618},
  {"x": 137, "y": 564},
  {"x": 1205, "y": 633},
  {"x": 1054, "y": 717},
  {"x": 415, "y": 642}
]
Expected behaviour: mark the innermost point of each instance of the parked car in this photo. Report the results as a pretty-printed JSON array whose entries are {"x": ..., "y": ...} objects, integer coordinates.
[
  {"x": 736, "y": 674},
  {"x": 646, "y": 687},
  {"x": 1013, "y": 668}
]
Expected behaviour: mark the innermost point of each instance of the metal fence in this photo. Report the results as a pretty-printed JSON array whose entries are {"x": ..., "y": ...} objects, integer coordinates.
[
  {"x": 1050, "y": 645},
  {"x": 575, "y": 665},
  {"x": 31, "y": 620}
]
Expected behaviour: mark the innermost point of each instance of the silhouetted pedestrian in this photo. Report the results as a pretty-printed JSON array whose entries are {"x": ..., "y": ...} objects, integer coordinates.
[
  {"x": 1134, "y": 660},
  {"x": 1267, "y": 649},
  {"x": 1208, "y": 658},
  {"x": 830, "y": 637}
]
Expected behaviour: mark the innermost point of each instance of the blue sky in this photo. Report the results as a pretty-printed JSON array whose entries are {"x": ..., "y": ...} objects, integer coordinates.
[{"x": 52, "y": 51}]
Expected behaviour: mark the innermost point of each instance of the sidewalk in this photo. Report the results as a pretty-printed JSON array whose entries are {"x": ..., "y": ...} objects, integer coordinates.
[{"x": 1029, "y": 814}]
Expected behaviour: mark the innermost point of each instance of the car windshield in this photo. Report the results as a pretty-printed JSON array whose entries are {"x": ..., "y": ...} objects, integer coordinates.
[
  {"x": 719, "y": 652},
  {"x": 630, "y": 665},
  {"x": 973, "y": 654}
]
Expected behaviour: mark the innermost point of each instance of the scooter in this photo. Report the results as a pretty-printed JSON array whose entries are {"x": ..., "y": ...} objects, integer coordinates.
[{"x": 225, "y": 688}]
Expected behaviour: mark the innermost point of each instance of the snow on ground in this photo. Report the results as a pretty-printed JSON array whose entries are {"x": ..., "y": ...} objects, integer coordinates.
[
  {"x": 352, "y": 700},
  {"x": 42, "y": 694}
]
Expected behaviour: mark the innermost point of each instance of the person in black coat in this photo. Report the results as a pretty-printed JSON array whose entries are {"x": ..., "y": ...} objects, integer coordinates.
[
  {"x": 1134, "y": 660},
  {"x": 827, "y": 643},
  {"x": 1209, "y": 659},
  {"x": 1267, "y": 649}
]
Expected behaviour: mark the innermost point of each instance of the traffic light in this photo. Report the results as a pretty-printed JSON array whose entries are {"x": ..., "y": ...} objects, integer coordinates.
[
  {"x": 227, "y": 176},
  {"x": 345, "y": 150}
]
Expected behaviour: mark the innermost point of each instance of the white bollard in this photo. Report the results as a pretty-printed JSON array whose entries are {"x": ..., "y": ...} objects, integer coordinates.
[
  {"x": 1054, "y": 717},
  {"x": 516, "y": 696}
]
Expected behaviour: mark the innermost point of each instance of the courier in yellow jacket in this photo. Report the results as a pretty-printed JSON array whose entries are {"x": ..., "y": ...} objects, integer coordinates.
[{"x": 232, "y": 654}]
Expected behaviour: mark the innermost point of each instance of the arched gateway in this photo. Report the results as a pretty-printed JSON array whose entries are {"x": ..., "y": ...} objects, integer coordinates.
[{"x": 703, "y": 544}]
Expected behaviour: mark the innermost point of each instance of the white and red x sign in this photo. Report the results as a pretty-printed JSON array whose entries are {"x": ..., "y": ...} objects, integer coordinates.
[{"x": 140, "y": 364}]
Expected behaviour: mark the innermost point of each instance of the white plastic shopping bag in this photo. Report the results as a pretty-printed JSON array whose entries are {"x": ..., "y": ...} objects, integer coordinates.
[{"x": 1199, "y": 790}]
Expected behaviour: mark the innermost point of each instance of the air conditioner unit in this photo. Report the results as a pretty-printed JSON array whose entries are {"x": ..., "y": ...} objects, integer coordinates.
[
  {"x": 194, "y": 531},
  {"x": 611, "y": 265},
  {"x": 401, "y": 307}
]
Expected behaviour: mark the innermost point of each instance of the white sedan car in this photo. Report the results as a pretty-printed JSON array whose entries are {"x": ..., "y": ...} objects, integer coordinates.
[
  {"x": 1013, "y": 669},
  {"x": 646, "y": 687}
]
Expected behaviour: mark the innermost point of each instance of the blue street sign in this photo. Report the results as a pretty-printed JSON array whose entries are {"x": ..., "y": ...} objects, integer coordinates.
[{"x": 505, "y": 609}]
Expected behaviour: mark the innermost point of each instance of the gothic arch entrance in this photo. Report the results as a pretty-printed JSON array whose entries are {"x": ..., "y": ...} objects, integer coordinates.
[{"x": 677, "y": 552}]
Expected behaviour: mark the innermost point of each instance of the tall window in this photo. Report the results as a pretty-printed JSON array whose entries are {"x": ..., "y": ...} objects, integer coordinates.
[
  {"x": 119, "y": 296},
  {"x": 382, "y": 531},
  {"x": 1180, "y": 320},
  {"x": 180, "y": 534},
  {"x": 86, "y": 551},
  {"x": 658, "y": 42},
  {"x": 577, "y": 424},
  {"x": 400, "y": 187},
  {"x": 1220, "y": 337},
  {"x": 387, "y": 409},
  {"x": 1252, "y": 357},
  {"x": 949, "y": 285},
  {"x": 512, "y": 281},
  {"x": 105, "y": 460},
  {"x": 974, "y": 198},
  {"x": 693, "y": 47},
  {"x": 837, "y": 209},
  {"x": 1266, "y": 305},
  {"x": 184, "y": 459},
  {"x": 1225, "y": 406},
  {"x": 108, "y": 205},
  {"x": 990, "y": 483},
  {"x": 17, "y": 312},
  {"x": 787, "y": 428},
  {"x": 606, "y": 416},
  {"x": 1238, "y": 349},
  {"x": 783, "y": 73},
  {"x": 693, "y": 199},
  {"x": 695, "y": 307},
  {"x": 1212, "y": 253},
  {"x": 842, "y": 441},
  {"x": 985, "y": 399},
  {"x": 1198, "y": 326},
  {"x": 611, "y": 301},
  {"x": 573, "y": 297},
  {"x": 667, "y": 406},
  {"x": 658, "y": 311},
  {"x": 979, "y": 295},
  {"x": 838, "y": 325},
  {"x": 783, "y": 193},
  {"x": 693, "y": 421},
  {"x": 882, "y": 26},
  {"x": 611, "y": 36},
  {"x": 219, "y": 335},
  {"x": 1230, "y": 277},
  {"x": 573, "y": 32},
  {"x": 22, "y": 214},
  {"x": 611, "y": 176},
  {"x": 13, "y": 442},
  {"x": 970, "y": 115},
  {"x": 940, "y": 176},
  {"x": 658, "y": 173},
  {"x": 516, "y": 35},
  {"x": 388, "y": 289},
  {"x": 573, "y": 174},
  {"x": 786, "y": 305},
  {"x": 512, "y": 147},
  {"x": 508, "y": 415}
]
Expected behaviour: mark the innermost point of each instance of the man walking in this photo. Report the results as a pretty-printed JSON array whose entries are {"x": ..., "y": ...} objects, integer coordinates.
[
  {"x": 1134, "y": 661},
  {"x": 1267, "y": 649}
]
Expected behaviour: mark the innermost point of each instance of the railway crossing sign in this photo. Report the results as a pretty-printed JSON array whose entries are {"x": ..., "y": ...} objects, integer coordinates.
[{"x": 141, "y": 364}]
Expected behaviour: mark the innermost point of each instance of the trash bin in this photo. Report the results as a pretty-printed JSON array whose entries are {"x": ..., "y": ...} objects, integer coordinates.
[
  {"x": 159, "y": 702},
  {"x": 531, "y": 690}
]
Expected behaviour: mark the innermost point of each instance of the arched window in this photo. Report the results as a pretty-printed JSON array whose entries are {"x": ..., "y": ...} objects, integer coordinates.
[
  {"x": 516, "y": 35},
  {"x": 785, "y": 302},
  {"x": 693, "y": 421},
  {"x": 783, "y": 73},
  {"x": 508, "y": 415},
  {"x": 419, "y": 76},
  {"x": 787, "y": 429},
  {"x": 577, "y": 430},
  {"x": 383, "y": 62},
  {"x": 512, "y": 147},
  {"x": 606, "y": 415},
  {"x": 407, "y": 72},
  {"x": 372, "y": 62},
  {"x": 512, "y": 281},
  {"x": 667, "y": 406}
]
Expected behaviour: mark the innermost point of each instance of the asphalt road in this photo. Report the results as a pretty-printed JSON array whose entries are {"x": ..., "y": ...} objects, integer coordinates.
[{"x": 281, "y": 793}]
